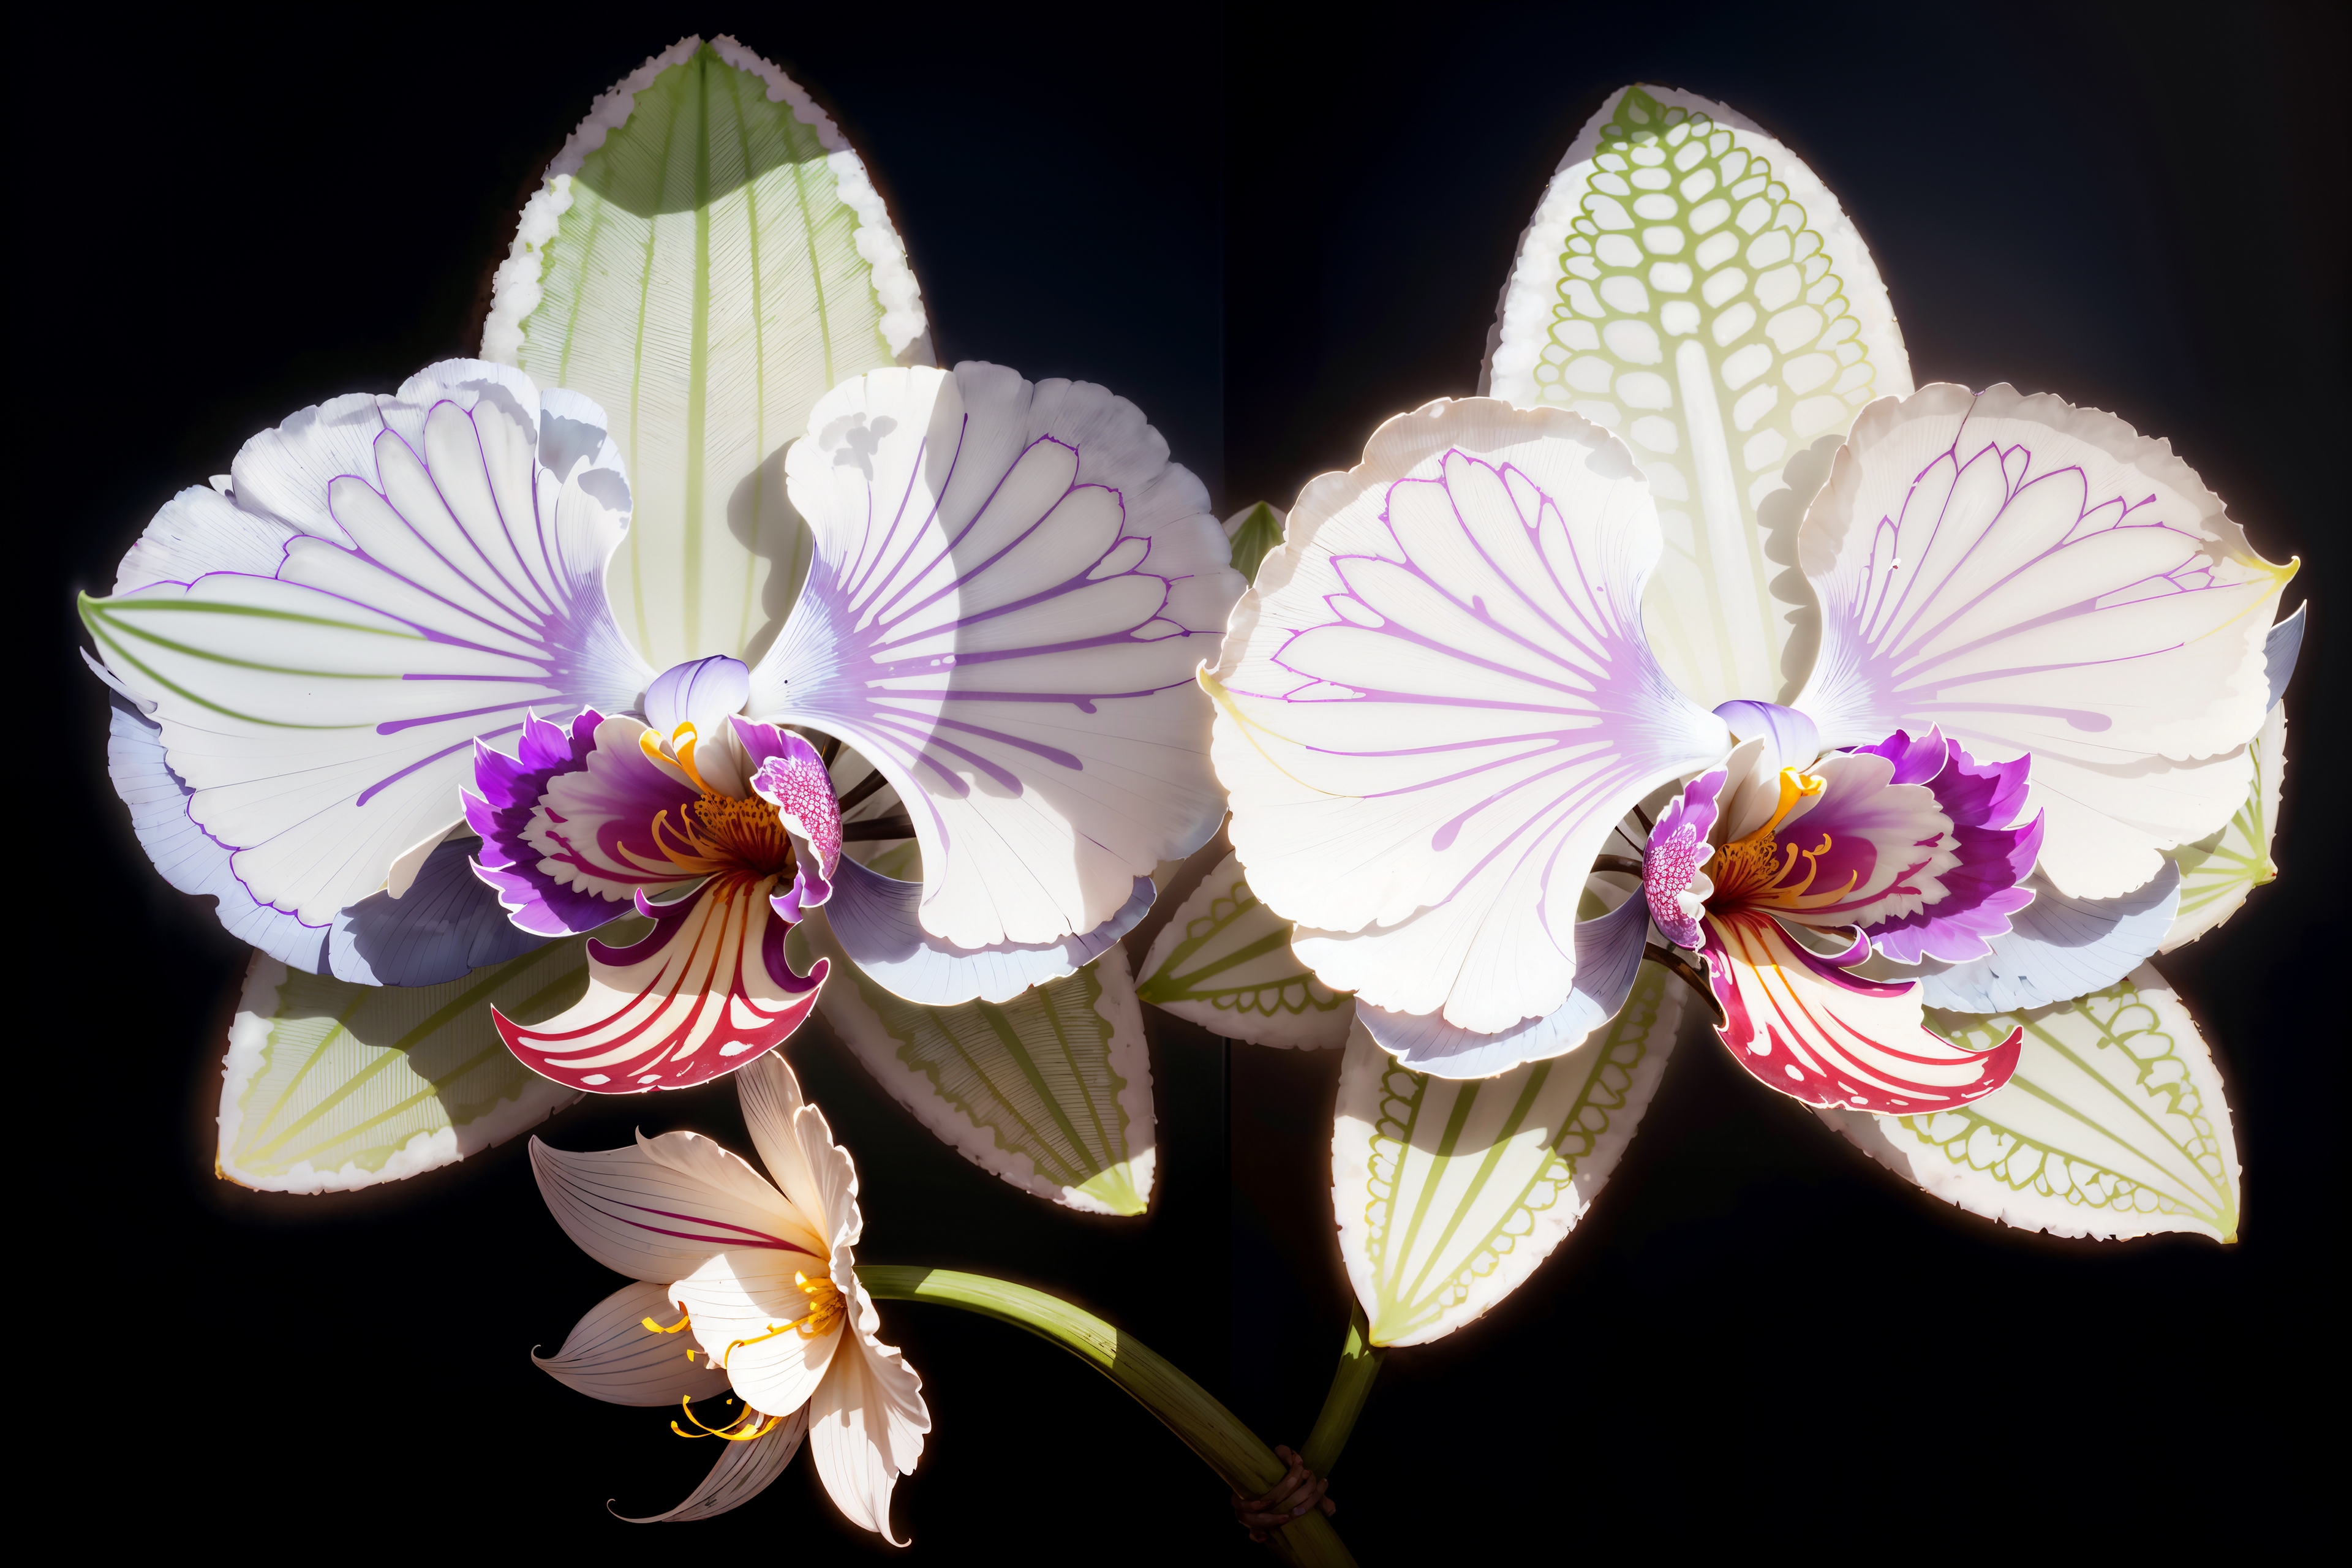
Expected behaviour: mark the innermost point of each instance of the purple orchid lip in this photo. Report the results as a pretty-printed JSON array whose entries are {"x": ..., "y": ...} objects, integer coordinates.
[{"x": 1983, "y": 800}]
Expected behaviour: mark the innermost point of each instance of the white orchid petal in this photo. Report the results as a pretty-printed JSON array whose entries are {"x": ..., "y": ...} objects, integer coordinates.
[
  {"x": 1422, "y": 774},
  {"x": 706, "y": 256},
  {"x": 878, "y": 922},
  {"x": 437, "y": 583},
  {"x": 2056, "y": 949},
  {"x": 865, "y": 1430},
  {"x": 742, "y": 1471},
  {"x": 2219, "y": 870},
  {"x": 2114, "y": 1125},
  {"x": 1224, "y": 961},
  {"x": 2037, "y": 577},
  {"x": 1687, "y": 281},
  {"x": 1041, "y": 729},
  {"x": 611, "y": 1355},
  {"x": 648, "y": 1218}
]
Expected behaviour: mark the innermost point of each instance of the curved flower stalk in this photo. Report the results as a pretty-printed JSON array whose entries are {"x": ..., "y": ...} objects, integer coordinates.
[{"x": 764, "y": 1270}]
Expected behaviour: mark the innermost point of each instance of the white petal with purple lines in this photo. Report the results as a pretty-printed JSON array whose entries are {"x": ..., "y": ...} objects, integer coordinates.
[
  {"x": 2037, "y": 577},
  {"x": 1012, "y": 588},
  {"x": 1438, "y": 701},
  {"x": 438, "y": 581}
]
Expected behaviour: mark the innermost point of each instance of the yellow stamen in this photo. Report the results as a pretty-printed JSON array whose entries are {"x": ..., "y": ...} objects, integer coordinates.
[
  {"x": 1753, "y": 861},
  {"x": 657, "y": 1328},
  {"x": 733, "y": 1431},
  {"x": 679, "y": 752}
]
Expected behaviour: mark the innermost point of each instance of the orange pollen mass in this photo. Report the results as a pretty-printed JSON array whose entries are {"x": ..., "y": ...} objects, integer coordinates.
[{"x": 721, "y": 833}]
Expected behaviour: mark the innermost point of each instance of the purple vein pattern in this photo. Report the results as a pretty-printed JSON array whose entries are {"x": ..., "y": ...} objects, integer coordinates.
[
  {"x": 1439, "y": 701},
  {"x": 385, "y": 580},
  {"x": 2034, "y": 577},
  {"x": 1012, "y": 589}
]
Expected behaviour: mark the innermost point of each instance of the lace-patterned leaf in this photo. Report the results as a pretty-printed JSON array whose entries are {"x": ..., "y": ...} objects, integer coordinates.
[
  {"x": 1052, "y": 1091},
  {"x": 707, "y": 256},
  {"x": 329, "y": 1086},
  {"x": 1450, "y": 1192},
  {"x": 1687, "y": 283},
  {"x": 1223, "y": 961},
  {"x": 2113, "y": 1126}
]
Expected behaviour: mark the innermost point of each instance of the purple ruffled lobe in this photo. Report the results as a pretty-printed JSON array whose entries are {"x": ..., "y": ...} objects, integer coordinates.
[
  {"x": 1677, "y": 847},
  {"x": 789, "y": 775},
  {"x": 1983, "y": 890},
  {"x": 1916, "y": 762},
  {"x": 509, "y": 789}
]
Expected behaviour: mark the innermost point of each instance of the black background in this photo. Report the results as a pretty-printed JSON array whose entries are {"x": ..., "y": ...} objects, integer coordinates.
[{"x": 1270, "y": 237}]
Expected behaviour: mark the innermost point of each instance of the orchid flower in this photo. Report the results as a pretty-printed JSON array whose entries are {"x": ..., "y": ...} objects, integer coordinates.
[
  {"x": 2041, "y": 651},
  {"x": 764, "y": 1271},
  {"x": 1008, "y": 584}
]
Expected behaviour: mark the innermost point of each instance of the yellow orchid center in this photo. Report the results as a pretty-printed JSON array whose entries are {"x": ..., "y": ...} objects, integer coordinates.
[
  {"x": 720, "y": 832},
  {"x": 1757, "y": 861}
]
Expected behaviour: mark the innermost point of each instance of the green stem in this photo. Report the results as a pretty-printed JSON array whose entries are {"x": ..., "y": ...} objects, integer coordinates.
[
  {"x": 1359, "y": 1363},
  {"x": 1246, "y": 1465}
]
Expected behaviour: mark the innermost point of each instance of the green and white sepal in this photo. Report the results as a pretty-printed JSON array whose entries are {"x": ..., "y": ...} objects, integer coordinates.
[
  {"x": 2218, "y": 872},
  {"x": 707, "y": 258},
  {"x": 1052, "y": 1090},
  {"x": 1450, "y": 1192},
  {"x": 1689, "y": 284},
  {"x": 1223, "y": 961},
  {"x": 2113, "y": 1126},
  {"x": 329, "y": 1086}
]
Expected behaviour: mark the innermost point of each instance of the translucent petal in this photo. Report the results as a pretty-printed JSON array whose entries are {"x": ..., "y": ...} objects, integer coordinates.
[
  {"x": 1437, "y": 702},
  {"x": 1013, "y": 588},
  {"x": 2220, "y": 869},
  {"x": 442, "y": 583},
  {"x": 2057, "y": 948},
  {"x": 653, "y": 1220},
  {"x": 1224, "y": 961},
  {"x": 1449, "y": 1194},
  {"x": 329, "y": 1086},
  {"x": 2037, "y": 577},
  {"x": 611, "y": 1355},
  {"x": 1051, "y": 1092},
  {"x": 1687, "y": 283},
  {"x": 2114, "y": 1124},
  {"x": 865, "y": 1430},
  {"x": 706, "y": 257},
  {"x": 878, "y": 922},
  {"x": 741, "y": 1472}
]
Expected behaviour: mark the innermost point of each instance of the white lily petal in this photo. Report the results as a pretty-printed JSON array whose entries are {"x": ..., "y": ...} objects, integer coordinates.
[
  {"x": 816, "y": 1176},
  {"x": 2113, "y": 1126},
  {"x": 741, "y": 1472},
  {"x": 439, "y": 582},
  {"x": 1436, "y": 703},
  {"x": 648, "y": 1218},
  {"x": 1449, "y": 1194},
  {"x": 1687, "y": 283},
  {"x": 749, "y": 1308},
  {"x": 865, "y": 1430},
  {"x": 1013, "y": 587},
  {"x": 706, "y": 256},
  {"x": 2037, "y": 577},
  {"x": 1224, "y": 961},
  {"x": 2220, "y": 869},
  {"x": 611, "y": 1355}
]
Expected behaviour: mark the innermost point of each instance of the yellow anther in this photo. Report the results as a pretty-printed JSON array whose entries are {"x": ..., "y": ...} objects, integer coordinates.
[
  {"x": 740, "y": 1430},
  {"x": 678, "y": 751},
  {"x": 657, "y": 1328}
]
